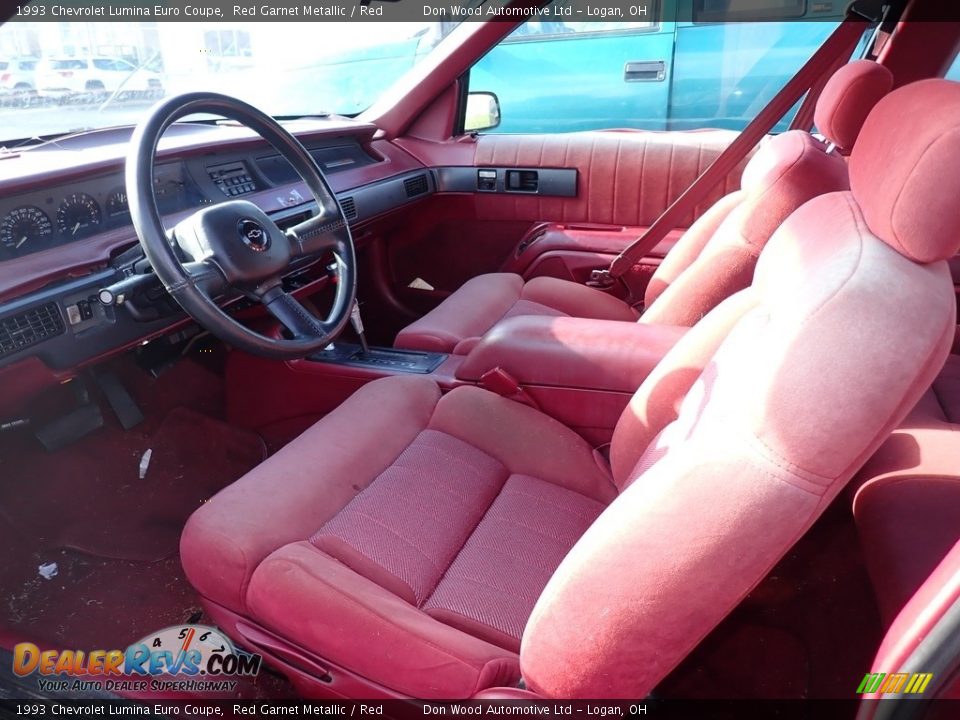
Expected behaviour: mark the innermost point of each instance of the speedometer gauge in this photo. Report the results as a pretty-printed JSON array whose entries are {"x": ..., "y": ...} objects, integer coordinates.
[
  {"x": 78, "y": 216},
  {"x": 25, "y": 229}
]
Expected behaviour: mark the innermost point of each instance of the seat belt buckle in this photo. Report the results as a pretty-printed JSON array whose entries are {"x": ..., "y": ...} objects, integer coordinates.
[
  {"x": 600, "y": 278},
  {"x": 505, "y": 385}
]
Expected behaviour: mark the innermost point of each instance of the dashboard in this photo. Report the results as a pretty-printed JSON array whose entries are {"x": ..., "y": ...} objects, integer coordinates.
[
  {"x": 66, "y": 230},
  {"x": 62, "y": 214},
  {"x": 39, "y": 221}
]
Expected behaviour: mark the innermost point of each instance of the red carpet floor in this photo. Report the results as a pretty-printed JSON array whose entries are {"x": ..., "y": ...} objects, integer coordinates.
[
  {"x": 113, "y": 536},
  {"x": 89, "y": 495}
]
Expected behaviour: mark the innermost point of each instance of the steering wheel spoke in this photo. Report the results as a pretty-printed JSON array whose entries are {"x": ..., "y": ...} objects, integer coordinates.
[
  {"x": 317, "y": 235},
  {"x": 293, "y": 315},
  {"x": 206, "y": 277},
  {"x": 234, "y": 244}
]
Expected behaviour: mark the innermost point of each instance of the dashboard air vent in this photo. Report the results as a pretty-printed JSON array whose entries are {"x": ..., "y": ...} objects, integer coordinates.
[
  {"x": 349, "y": 208},
  {"x": 29, "y": 327},
  {"x": 416, "y": 185}
]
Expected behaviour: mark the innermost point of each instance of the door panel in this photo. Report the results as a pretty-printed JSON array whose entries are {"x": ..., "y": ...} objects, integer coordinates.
[{"x": 624, "y": 179}]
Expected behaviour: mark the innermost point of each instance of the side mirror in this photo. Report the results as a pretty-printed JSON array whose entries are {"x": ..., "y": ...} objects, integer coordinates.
[{"x": 483, "y": 112}]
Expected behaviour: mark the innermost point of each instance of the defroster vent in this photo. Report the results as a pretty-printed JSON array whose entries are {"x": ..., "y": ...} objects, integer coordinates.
[{"x": 30, "y": 327}]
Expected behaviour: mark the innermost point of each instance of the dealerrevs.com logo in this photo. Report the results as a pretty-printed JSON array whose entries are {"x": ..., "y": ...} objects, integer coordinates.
[
  {"x": 192, "y": 658},
  {"x": 894, "y": 683}
]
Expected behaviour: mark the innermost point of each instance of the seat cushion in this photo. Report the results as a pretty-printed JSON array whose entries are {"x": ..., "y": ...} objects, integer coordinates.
[
  {"x": 289, "y": 496},
  {"x": 481, "y": 302},
  {"x": 490, "y": 588},
  {"x": 411, "y": 554}
]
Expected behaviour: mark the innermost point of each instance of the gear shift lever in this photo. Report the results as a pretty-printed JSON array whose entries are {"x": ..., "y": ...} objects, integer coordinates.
[{"x": 357, "y": 322}]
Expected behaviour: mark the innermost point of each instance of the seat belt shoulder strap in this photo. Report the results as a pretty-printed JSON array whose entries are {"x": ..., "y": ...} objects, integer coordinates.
[{"x": 841, "y": 42}]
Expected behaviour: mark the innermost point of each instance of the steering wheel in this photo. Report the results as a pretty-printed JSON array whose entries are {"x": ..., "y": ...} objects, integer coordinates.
[{"x": 234, "y": 245}]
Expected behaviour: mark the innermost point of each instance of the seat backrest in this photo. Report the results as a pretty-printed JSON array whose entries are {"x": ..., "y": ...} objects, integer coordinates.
[
  {"x": 717, "y": 255},
  {"x": 848, "y": 320}
]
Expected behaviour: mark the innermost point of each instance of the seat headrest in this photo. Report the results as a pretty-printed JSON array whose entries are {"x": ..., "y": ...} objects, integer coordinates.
[
  {"x": 905, "y": 170},
  {"x": 849, "y": 95}
]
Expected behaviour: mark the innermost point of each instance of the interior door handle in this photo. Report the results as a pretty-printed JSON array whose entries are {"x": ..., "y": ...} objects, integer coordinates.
[{"x": 645, "y": 71}]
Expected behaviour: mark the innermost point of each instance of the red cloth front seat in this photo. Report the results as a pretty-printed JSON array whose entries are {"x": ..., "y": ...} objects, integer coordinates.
[
  {"x": 714, "y": 258},
  {"x": 437, "y": 545}
]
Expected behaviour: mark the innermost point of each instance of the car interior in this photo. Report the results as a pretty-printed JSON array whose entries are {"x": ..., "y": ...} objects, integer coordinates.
[{"x": 367, "y": 395}]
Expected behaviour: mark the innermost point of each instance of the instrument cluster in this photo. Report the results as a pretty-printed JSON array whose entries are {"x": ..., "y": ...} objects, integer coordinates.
[{"x": 39, "y": 221}]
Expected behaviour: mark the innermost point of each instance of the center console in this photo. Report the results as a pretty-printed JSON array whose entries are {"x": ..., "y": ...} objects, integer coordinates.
[
  {"x": 581, "y": 372},
  {"x": 387, "y": 360}
]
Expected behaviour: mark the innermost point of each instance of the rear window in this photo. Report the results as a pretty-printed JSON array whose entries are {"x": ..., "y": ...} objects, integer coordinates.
[{"x": 68, "y": 64}]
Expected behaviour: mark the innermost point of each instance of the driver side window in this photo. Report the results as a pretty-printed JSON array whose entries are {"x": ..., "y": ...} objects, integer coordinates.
[{"x": 661, "y": 73}]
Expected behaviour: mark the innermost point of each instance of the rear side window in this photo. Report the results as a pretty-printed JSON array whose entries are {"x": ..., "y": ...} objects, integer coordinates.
[{"x": 28, "y": 64}]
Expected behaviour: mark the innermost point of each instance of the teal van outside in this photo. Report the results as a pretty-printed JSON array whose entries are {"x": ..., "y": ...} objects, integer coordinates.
[{"x": 680, "y": 70}]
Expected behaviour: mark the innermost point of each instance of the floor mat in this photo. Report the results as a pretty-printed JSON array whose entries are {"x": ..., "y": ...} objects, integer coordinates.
[
  {"x": 807, "y": 631},
  {"x": 95, "y": 602},
  {"x": 89, "y": 496}
]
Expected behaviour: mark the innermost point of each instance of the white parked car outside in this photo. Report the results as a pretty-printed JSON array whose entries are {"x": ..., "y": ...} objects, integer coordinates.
[
  {"x": 18, "y": 81},
  {"x": 67, "y": 79}
]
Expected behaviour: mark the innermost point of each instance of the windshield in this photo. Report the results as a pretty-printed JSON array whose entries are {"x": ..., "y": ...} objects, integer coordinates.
[{"x": 63, "y": 77}]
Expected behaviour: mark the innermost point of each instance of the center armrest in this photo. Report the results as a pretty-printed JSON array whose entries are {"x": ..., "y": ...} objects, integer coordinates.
[{"x": 571, "y": 352}]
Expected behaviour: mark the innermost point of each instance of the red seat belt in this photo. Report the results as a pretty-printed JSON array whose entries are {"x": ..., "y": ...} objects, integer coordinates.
[
  {"x": 803, "y": 120},
  {"x": 840, "y": 44}
]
